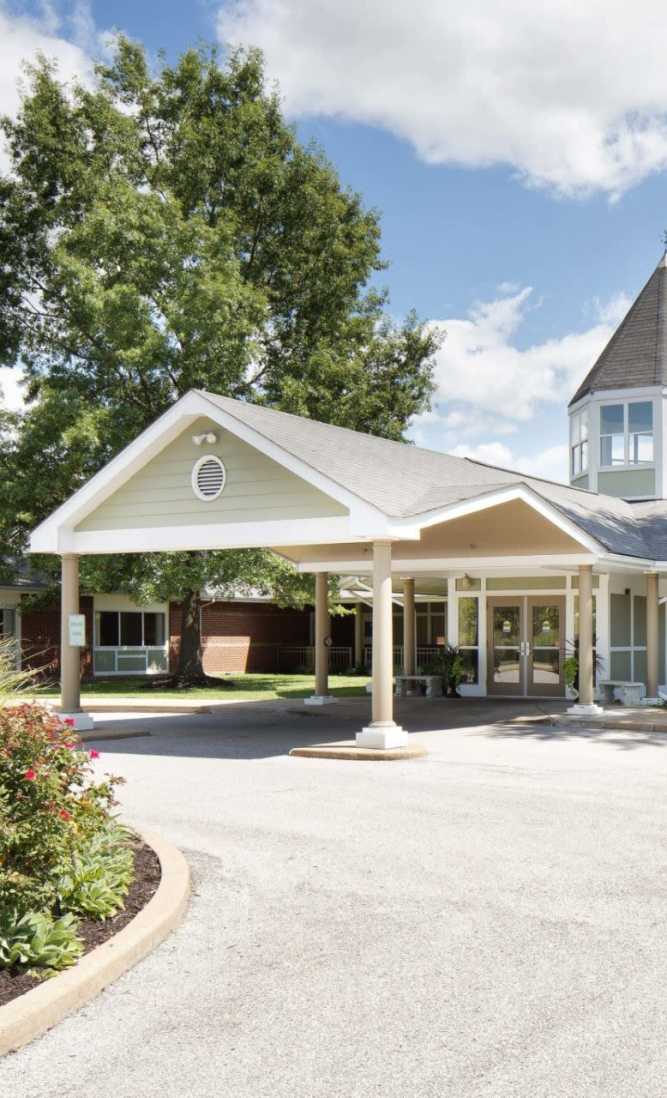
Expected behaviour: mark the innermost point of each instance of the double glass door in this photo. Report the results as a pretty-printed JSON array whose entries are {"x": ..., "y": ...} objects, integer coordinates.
[{"x": 526, "y": 637}]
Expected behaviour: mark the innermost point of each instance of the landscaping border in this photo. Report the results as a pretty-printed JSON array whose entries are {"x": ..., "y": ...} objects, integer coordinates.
[{"x": 32, "y": 1014}]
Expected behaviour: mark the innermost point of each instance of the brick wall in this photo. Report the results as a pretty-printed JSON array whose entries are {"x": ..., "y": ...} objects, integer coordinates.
[
  {"x": 236, "y": 637},
  {"x": 239, "y": 637},
  {"x": 40, "y": 638}
]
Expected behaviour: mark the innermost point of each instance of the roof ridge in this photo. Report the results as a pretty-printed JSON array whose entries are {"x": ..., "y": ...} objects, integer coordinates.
[
  {"x": 531, "y": 476},
  {"x": 338, "y": 427}
]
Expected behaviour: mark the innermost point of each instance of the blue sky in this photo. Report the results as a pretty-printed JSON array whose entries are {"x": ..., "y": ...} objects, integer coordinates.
[{"x": 522, "y": 191}]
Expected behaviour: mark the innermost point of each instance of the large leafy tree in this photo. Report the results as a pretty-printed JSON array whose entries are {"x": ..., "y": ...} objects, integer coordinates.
[{"x": 163, "y": 231}]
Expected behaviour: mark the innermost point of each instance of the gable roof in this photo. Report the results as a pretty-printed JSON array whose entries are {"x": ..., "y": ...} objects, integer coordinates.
[
  {"x": 636, "y": 355},
  {"x": 404, "y": 481},
  {"x": 390, "y": 488}
]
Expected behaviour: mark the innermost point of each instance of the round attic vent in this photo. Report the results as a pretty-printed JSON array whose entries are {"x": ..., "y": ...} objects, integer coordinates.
[{"x": 208, "y": 477}]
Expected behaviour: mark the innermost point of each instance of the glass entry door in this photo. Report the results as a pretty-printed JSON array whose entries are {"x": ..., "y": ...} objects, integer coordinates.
[
  {"x": 525, "y": 645},
  {"x": 545, "y": 646}
]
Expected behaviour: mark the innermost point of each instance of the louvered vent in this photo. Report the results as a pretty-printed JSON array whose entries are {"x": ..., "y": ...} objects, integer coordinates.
[{"x": 208, "y": 477}]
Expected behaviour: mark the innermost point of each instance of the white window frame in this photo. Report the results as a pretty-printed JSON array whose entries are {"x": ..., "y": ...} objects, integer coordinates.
[
  {"x": 138, "y": 650},
  {"x": 579, "y": 442},
  {"x": 626, "y": 463}
]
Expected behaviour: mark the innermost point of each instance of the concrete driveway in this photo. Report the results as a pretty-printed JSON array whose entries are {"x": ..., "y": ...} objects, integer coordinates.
[{"x": 488, "y": 921}]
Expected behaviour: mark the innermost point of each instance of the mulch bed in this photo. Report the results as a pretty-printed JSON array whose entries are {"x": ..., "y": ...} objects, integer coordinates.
[{"x": 93, "y": 932}]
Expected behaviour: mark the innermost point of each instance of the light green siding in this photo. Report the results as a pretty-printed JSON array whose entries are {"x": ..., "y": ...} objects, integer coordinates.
[
  {"x": 256, "y": 489},
  {"x": 627, "y": 483},
  {"x": 580, "y": 482}
]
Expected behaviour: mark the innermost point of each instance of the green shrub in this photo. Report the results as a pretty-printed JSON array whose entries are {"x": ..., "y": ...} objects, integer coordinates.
[
  {"x": 37, "y": 940},
  {"x": 50, "y": 808},
  {"x": 62, "y": 854},
  {"x": 99, "y": 876}
]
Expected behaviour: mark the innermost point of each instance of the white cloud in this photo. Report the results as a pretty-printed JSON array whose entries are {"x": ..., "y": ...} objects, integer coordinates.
[
  {"x": 22, "y": 37},
  {"x": 572, "y": 95},
  {"x": 481, "y": 367},
  {"x": 11, "y": 393},
  {"x": 488, "y": 387},
  {"x": 550, "y": 463}
]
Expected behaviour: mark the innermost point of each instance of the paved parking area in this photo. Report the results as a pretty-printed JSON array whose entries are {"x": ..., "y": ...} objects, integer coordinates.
[{"x": 489, "y": 921}]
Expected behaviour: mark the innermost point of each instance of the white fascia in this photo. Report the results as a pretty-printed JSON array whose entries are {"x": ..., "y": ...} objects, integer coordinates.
[
  {"x": 57, "y": 535},
  {"x": 531, "y": 564}
]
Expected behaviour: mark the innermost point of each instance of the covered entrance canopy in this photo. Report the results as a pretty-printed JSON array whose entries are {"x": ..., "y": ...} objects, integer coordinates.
[{"x": 214, "y": 473}]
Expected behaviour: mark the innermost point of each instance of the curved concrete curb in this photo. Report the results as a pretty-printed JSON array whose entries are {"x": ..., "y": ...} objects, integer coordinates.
[{"x": 31, "y": 1014}]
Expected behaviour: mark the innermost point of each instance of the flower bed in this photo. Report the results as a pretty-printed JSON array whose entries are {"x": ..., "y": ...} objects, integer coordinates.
[{"x": 66, "y": 864}]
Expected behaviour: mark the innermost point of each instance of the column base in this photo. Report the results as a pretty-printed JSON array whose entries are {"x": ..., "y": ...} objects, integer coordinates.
[
  {"x": 82, "y": 722},
  {"x": 383, "y": 735},
  {"x": 319, "y": 699},
  {"x": 583, "y": 710}
]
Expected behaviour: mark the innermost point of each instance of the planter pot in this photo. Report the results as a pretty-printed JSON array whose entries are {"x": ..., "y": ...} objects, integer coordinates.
[{"x": 571, "y": 693}]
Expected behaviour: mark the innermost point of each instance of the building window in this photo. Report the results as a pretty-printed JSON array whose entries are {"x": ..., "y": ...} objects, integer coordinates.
[
  {"x": 626, "y": 433},
  {"x": 7, "y": 624},
  {"x": 431, "y": 620},
  {"x": 612, "y": 434},
  {"x": 469, "y": 637},
  {"x": 129, "y": 629},
  {"x": 579, "y": 443},
  {"x": 640, "y": 432}
]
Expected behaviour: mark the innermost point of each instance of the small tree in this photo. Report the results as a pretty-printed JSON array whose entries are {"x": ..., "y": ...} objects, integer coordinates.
[{"x": 166, "y": 231}]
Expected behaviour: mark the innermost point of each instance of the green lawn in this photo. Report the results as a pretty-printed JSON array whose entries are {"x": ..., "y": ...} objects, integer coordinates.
[{"x": 232, "y": 687}]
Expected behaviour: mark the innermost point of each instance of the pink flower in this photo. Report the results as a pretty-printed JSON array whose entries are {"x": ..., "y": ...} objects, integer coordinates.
[
  {"x": 30, "y": 775},
  {"x": 94, "y": 754}
]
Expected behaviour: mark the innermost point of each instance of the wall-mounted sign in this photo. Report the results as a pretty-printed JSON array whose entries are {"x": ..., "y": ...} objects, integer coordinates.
[
  {"x": 77, "y": 630},
  {"x": 507, "y": 627}
]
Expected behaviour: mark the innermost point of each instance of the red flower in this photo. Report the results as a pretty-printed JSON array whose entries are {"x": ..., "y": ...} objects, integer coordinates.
[
  {"x": 64, "y": 814},
  {"x": 30, "y": 775},
  {"x": 94, "y": 754},
  {"x": 69, "y": 721}
]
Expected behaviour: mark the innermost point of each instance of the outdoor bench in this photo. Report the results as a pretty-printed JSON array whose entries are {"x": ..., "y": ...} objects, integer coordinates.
[
  {"x": 627, "y": 693},
  {"x": 433, "y": 684}
]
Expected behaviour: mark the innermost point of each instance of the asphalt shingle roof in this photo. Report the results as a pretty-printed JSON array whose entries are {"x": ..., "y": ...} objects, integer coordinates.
[
  {"x": 403, "y": 480},
  {"x": 636, "y": 354}
]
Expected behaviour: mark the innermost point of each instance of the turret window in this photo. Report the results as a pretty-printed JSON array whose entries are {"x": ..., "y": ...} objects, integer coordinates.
[
  {"x": 579, "y": 443},
  {"x": 626, "y": 433},
  {"x": 612, "y": 434},
  {"x": 640, "y": 432}
]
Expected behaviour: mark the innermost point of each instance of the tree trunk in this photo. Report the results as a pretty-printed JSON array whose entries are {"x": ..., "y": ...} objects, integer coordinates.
[{"x": 190, "y": 670}]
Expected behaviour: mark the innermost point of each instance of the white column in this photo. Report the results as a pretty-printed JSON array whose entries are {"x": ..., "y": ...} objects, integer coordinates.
[
  {"x": 322, "y": 641},
  {"x": 382, "y": 731},
  {"x": 359, "y": 634},
  {"x": 409, "y": 645},
  {"x": 585, "y": 706},
  {"x": 652, "y": 641},
  {"x": 70, "y": 655}
]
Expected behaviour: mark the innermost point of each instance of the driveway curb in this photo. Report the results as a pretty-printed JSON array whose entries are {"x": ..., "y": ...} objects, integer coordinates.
[
  {"x": 32, "y": 1014},
  {"x": 348, "y": 750}
]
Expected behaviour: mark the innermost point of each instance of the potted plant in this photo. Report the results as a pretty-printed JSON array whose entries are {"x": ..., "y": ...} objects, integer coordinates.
[
  {"x": 571, "y": 669},
  {"x": 450, "y": 665}
]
